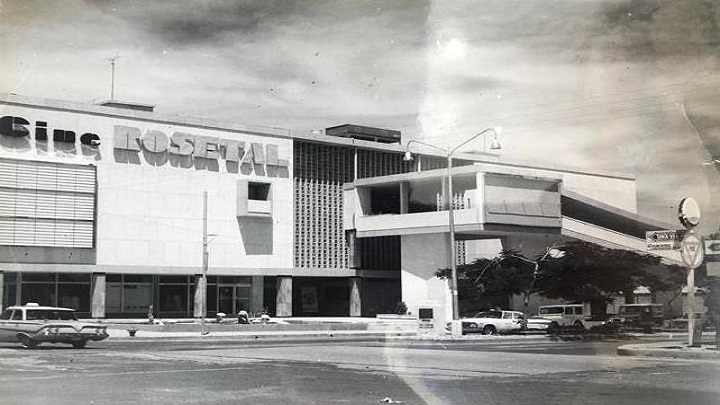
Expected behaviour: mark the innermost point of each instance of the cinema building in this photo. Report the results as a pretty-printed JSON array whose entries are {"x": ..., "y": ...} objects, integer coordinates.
[{"x": 101, "y": 209}]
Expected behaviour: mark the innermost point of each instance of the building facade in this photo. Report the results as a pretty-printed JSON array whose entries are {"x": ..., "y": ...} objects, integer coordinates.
[{"x": 101, "y": 210}]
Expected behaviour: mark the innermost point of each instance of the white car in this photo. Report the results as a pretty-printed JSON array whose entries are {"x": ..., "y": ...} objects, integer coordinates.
[
  {"x": 492, "y": 322},
  {"x": 33, "y": 324}
]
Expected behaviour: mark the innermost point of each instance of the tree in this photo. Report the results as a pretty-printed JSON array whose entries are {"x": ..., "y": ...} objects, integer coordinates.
[
  {"x": 488, "y": 283},
  {"x": 585, "y": 273},
  {"x": 593, "y": 273}
]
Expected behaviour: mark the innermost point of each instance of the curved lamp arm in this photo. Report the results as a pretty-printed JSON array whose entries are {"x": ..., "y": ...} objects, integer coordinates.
[
  {"x": 408, "y": 155},
  {"x": 495, "y": 144}
]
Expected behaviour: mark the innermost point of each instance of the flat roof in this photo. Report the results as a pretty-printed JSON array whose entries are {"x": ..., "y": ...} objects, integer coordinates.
[{"x": 277, "y": 132}]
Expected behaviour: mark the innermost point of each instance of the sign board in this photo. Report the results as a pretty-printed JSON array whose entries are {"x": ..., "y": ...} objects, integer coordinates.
[
  {"x": 712, "y": 249},
  {"x": 713, "y": 269},
  {"x": 689, "y": 213},
  {"x": 664, "y": 240},
  {"x": 691, "y": 250}
]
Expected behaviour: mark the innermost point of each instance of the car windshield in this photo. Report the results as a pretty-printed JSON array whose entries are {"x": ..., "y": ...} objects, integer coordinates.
[
  {"x": 625, "y": 310},
  {"x": 550, "y": 310},
  {"x": 489, "y": 314},
  {"x": 50, "y": 315}
]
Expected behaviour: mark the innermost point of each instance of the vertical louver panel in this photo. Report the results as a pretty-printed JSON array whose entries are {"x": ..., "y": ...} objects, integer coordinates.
[
  {"x": 83, "y": 234},
  {"x": 7, "y": 202},
  {"x": 46, "y": 204},
  {"x": 45, "y": 232},
  {"x": 8, "y": 174},
  {"x": 7, "y": 233}
]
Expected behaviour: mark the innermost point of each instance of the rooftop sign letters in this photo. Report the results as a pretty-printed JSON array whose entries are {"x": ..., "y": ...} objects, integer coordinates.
[
  {"x": 182, "y": 144},
  {"x": 260, "y": 158}
]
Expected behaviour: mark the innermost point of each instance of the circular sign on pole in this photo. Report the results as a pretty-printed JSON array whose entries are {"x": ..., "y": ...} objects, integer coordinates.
[
  {"x": 689, "y": 213},
  {"x": 691, "y": 250}
]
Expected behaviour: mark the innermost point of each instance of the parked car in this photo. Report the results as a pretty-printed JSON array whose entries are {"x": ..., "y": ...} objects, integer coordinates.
[
  {"x": 561, "y": 315},
  {"x": 635, "y": 314},
  {"x": 32, "y": 324},
  {"x": 492, "y": 322},
  {"x": 682, "y": 322},
  {"x": 537, "y": 323}
]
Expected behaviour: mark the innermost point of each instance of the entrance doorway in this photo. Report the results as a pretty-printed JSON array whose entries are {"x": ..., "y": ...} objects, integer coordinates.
[{"x": 233, "y": 298}]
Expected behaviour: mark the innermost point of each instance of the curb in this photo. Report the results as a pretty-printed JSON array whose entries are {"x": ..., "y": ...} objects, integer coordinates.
[
  {"x": 265, "y": 337},
  {"x": 675, "y": 351}
]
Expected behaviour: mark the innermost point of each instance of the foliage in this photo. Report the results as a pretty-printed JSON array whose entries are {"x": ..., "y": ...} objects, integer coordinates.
[
  {"x": 585, "y": 273},
  {"x": 486, "y": 283},
  {"x": 590, "y": 272},
  {"x": 401, "y": 308}
]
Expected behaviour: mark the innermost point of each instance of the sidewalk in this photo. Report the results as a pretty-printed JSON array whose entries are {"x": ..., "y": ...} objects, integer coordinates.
[
  {"x": 675, "y": 349},
  {"x": 277, "y": 329}
]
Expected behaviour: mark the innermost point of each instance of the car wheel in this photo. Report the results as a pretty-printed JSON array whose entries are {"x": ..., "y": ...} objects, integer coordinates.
[
  {"x": 79, "y": 345},
  {"x": 27, "y": 342},
  {"x": 489, "y": 330},
  {"x": 578, "y": 325}
]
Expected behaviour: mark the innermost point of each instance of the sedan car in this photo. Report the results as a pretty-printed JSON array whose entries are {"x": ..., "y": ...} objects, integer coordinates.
[
  {"x": 492, "y": 322},
  {"x": 33, "y": 324}
]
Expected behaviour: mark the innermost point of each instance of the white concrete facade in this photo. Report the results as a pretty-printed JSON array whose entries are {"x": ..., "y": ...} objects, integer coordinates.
[{"x": 149, "y": 204}]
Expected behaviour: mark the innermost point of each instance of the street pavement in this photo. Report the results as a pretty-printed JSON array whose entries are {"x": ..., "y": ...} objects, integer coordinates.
[{"x": 488, "y": 370}]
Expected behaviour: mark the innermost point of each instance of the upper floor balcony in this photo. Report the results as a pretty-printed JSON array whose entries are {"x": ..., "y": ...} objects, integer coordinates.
[{"x": 483, "y": 203}]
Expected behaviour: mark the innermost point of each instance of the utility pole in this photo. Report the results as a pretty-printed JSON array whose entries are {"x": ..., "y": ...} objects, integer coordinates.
[
  {"x": 205, "y": 257},
  {"x": 112, "y": 76}
]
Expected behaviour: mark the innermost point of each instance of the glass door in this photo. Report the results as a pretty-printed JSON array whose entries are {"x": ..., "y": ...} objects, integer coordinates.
[
  {"x": 242, "y": 298},
  {"x": 226, "y": 299}
]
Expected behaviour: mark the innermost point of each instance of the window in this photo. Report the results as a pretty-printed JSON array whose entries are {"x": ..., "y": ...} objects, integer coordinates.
[
  {"x": 568, "y": 311},
  {"x": 51, "y": 315},
  {"x": 259, "y": 191},
  {"x": 507, "y": 315},
  {"x": 550, "y": 310},
  {"x": 489, "y": 314},
  {"x": 578, "y": 311},
  {"x": 6, "y": 314}
]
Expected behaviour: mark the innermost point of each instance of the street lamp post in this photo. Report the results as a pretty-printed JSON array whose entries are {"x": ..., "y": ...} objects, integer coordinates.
[{"x": 451, "y": 214}]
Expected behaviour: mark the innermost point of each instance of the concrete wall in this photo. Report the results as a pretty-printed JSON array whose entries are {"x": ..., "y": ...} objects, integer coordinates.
[
  {"x": 422, "y": 256},
  {"x": 149, "y": 205},
  {"x": 619, "y": 191}
]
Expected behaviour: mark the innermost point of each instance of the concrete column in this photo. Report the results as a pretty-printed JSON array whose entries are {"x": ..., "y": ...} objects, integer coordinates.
[
  {"x": 404, "y": 197},
  {"x": 200, "y": 287},
  {"x": 18, "y": 289},
  {"x": 355, "y": 297},
  {"x": 442, "y": 206},
  {"x": 258, "y": 294},
  {"x": 2, "y": 289},
  {"x": 419, "y": 264},
  {"x": 353, "y": 250},
  {"x": 283, "y": 301},
  {"x": 97, "y": 306}
]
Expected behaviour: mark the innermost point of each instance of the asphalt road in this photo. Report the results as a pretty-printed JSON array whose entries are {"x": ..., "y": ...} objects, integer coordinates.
[{"x": 498, "y": 371}]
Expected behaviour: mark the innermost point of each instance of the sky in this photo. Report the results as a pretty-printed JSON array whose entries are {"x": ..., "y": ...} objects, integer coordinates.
[{"x": 629, "y": 86}]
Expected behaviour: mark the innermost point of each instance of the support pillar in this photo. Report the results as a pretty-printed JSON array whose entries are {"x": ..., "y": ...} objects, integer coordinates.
[
  {"x": 97, "y": 307},
  {"x": 258, "y": 294},
  {"x": 200, "y": 287},
  {"x": 2, "y": 290},
  {"x": 283, "y": 301},
  {"x": 419, "y": 285},
  {"x": 355, "y": 296},
  {"x": 353, "y": 245},
  {"x": 404, "y": 197},
  {"x": 18, "y": 289}
]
